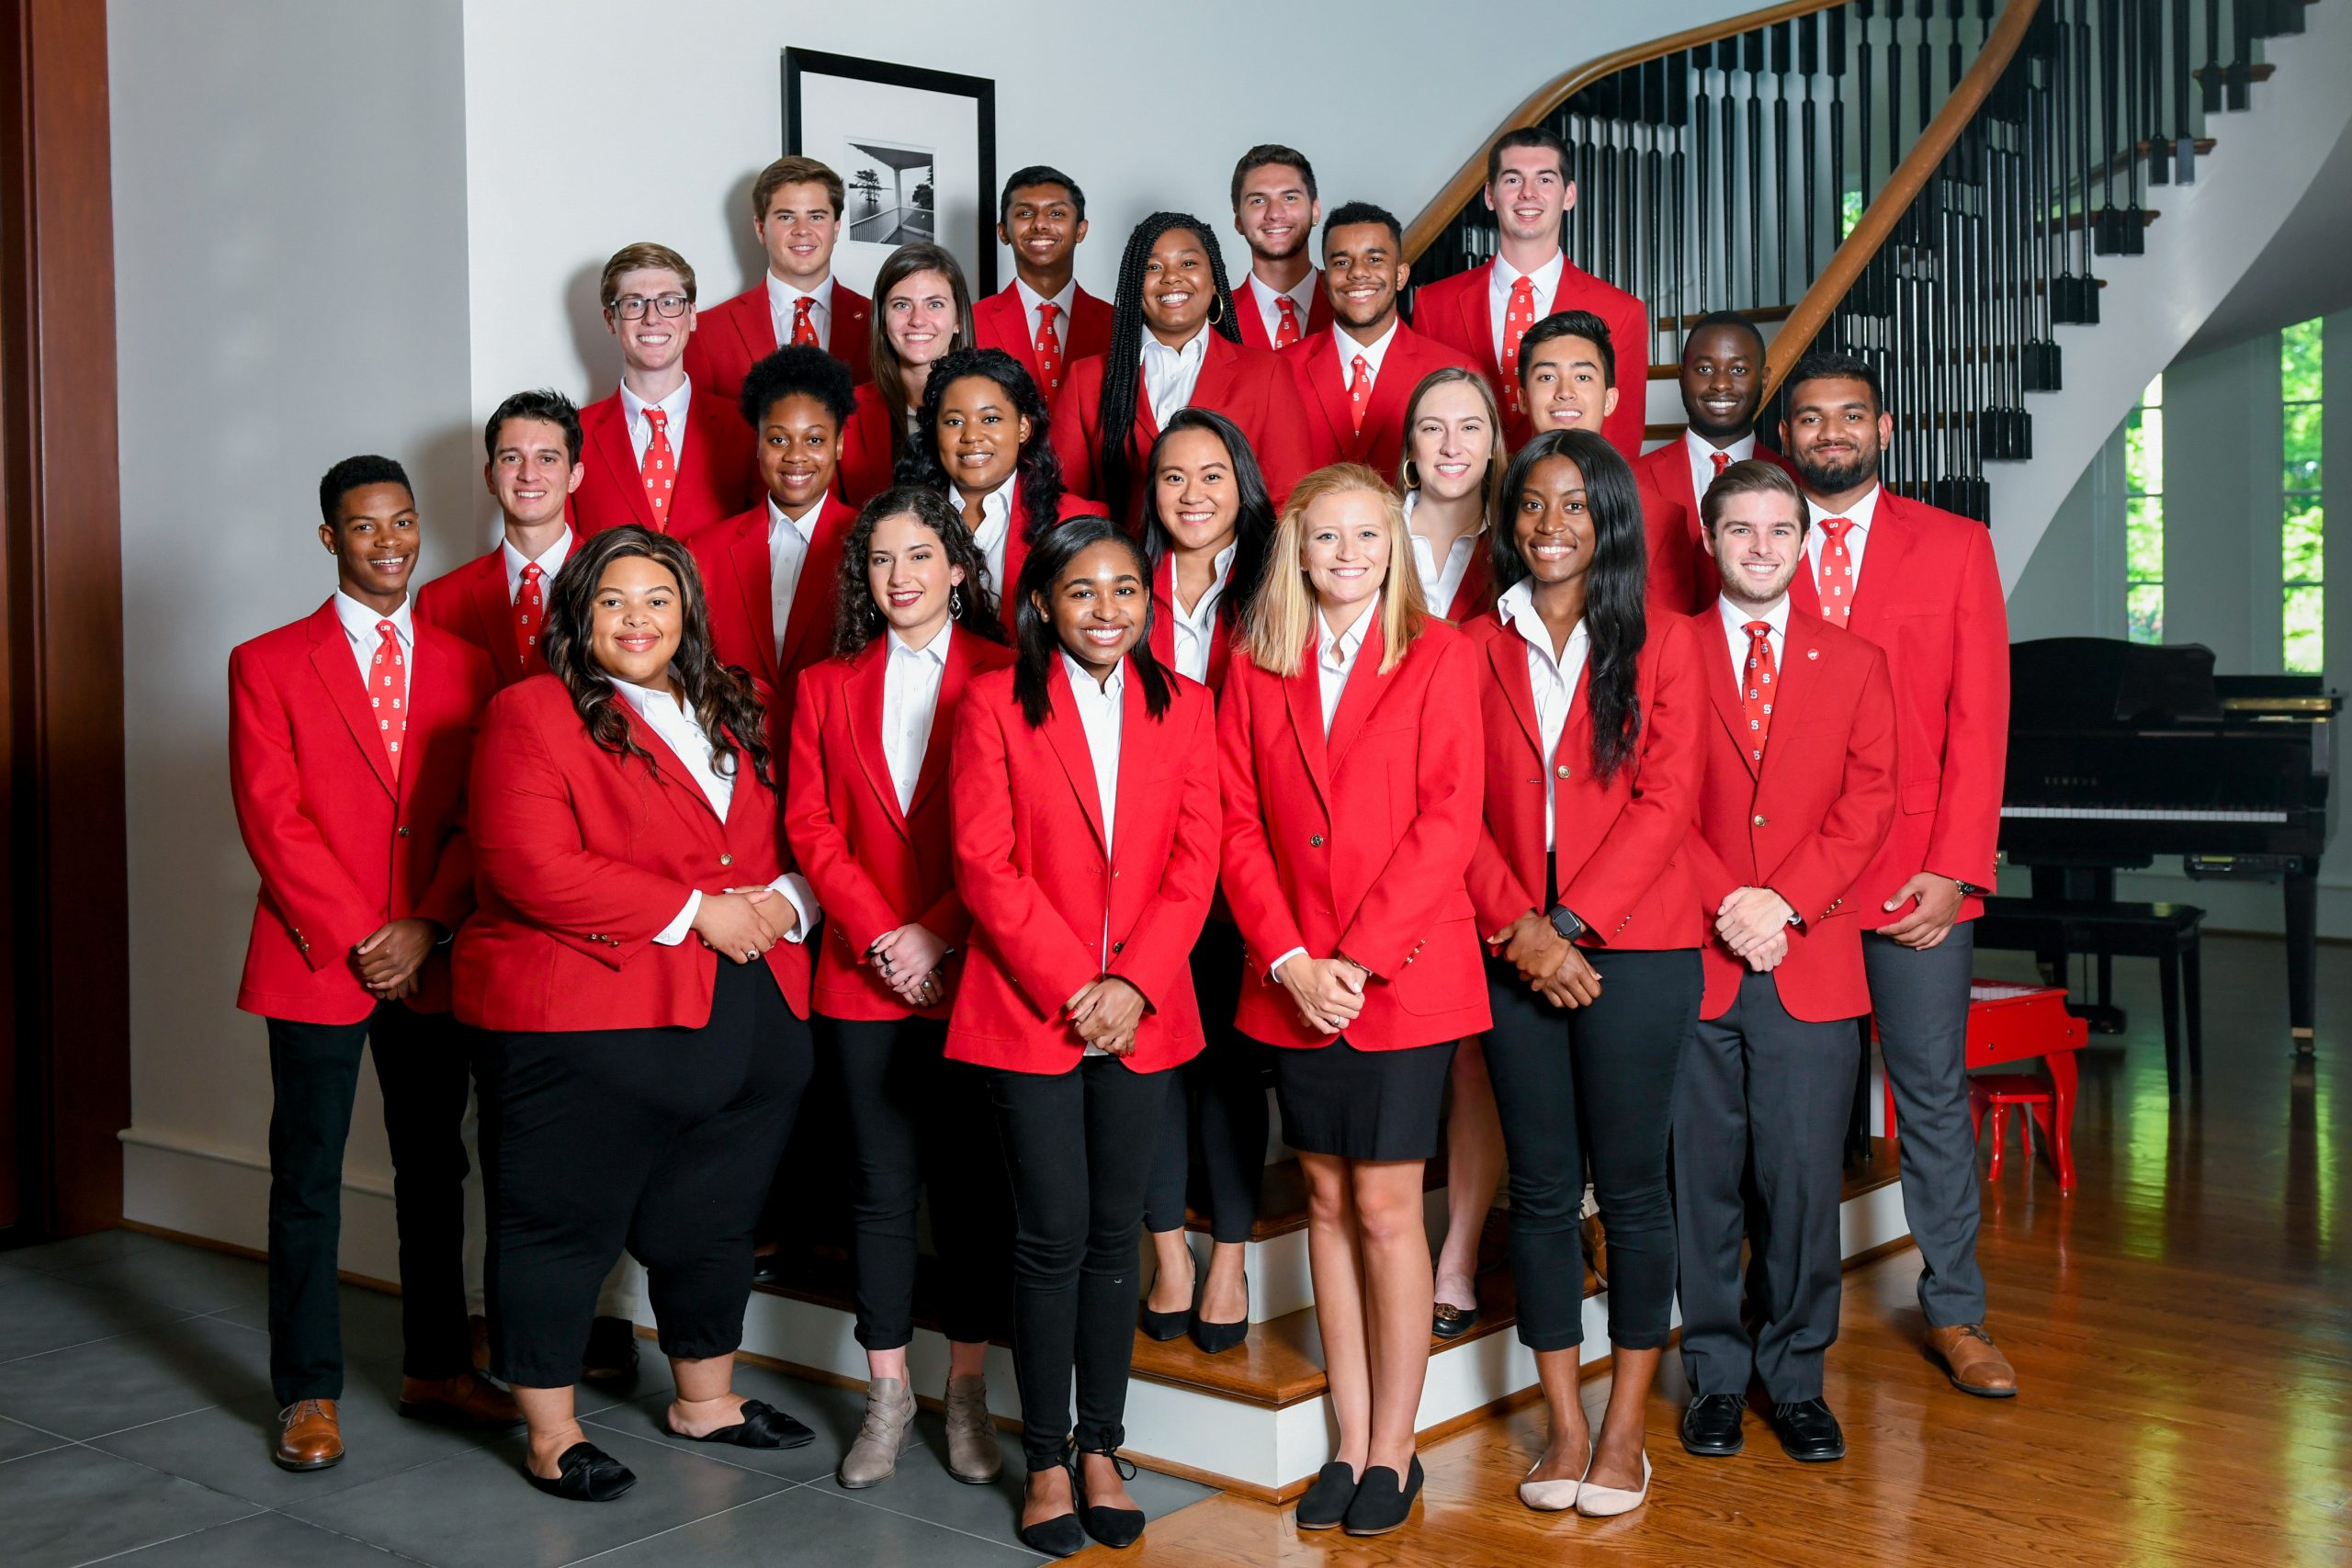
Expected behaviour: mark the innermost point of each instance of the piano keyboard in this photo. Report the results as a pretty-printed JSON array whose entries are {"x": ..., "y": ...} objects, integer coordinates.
[{"x": 2138, "y": 814}]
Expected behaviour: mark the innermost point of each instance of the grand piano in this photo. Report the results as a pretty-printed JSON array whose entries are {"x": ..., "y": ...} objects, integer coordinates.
[{"x": 2120, "y": 752}]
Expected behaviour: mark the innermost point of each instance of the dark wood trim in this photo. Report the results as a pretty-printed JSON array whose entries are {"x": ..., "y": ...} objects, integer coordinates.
[{"x": 61, "y": 539}]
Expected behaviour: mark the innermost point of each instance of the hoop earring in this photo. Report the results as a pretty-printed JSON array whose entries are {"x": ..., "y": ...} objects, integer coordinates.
[
  {"x": 874, "y": 617},
  {"x": 1412, "y": 475},
  {"x": 1216, "y": 310},
  {"x": 955, "y": 601}
]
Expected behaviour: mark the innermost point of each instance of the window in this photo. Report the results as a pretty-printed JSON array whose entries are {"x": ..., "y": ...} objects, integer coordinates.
[
  {"x": 2302, "y": 530},
  {"x": 2143, "y": 525}
]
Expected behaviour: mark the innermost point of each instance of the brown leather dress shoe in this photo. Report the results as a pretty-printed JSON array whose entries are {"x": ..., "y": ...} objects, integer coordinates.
[
  {"x": 462, "y": 1400},
  {"x": 309, "y": 1436},
  {"x": 1974, "y": 1362}
]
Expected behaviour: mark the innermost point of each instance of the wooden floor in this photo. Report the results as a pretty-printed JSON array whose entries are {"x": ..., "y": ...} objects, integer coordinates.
[{"x": 2182, "y": 1328}]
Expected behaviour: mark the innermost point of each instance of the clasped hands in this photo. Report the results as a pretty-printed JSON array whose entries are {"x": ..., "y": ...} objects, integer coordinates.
[
  {"x": 908, "y": 958},
  {"x": 389, "y": 960},
  {"x": 1549, "y": 962},
  {"x": 1328, "y": 992},
  {"x": 1754, "y": 923},
  {"x": 744, "y": 923},
  {"x": 1107, "y": 1011}
]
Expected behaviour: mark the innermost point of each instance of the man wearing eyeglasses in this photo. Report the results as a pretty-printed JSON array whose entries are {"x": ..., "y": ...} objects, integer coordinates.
[{"x": 659, "y": 452}]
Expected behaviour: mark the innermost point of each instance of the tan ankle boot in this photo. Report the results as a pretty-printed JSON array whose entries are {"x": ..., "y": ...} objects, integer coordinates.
[
  {"x": 888, "y": 1429},
  {"x": 973, "y": 1456}
]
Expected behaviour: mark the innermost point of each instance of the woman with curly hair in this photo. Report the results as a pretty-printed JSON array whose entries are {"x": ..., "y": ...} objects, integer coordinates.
[{"x": 636, "y": 969}]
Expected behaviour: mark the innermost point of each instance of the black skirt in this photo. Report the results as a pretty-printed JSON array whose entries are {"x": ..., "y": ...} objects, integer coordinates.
[{"x": 1355, "y": 1104}]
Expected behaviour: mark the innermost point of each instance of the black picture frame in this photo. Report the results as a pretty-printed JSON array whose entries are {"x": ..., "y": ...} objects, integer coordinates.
[{"x": 981, "y": 90}]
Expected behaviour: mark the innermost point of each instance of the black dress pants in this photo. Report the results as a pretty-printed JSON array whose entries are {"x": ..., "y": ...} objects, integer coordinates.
[
  {"x": 314, "y": 1073},
  {"x": 919, "y": 1123},
  {"x": 1595, "y": 1083},
  {"x": 1079, "y": 1147},
  {"x": 1222, "y": 1094},
  {"x": 659, "y": 1140}
]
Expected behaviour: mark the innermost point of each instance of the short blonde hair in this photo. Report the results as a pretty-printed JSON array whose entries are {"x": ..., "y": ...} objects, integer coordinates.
[
  {"x": 634, "y": 258},
  {"x": 1282, "y": 617}
]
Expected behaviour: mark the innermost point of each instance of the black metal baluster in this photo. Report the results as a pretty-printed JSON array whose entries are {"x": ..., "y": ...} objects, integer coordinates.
[
  {"x": 2239, "y": 78},
  {"x": 1863, "y": 115},
  {"x": 1626, "y": 141},
  {"x": 1894, "y": 87},
  {"x": 1702, "y": 197},
  {"x": 2042, "y": 359},
  {"x": 1925, "y": 61},
  {"x": 2184, "y": 153},
  {"x": 1751, "y": 60},
  {"x": 1727, "y": 66},
  {"x": 1678, "y": 114},
  {"x": 2108, "y": 230},
  {"x": 2136, "y": 15},
  {"x": 1783, "y": 62},
  {"x": 1808, "y": 35}
]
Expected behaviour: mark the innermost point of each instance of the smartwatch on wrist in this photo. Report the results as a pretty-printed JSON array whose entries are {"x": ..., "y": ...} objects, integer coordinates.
[{"x": 1564, "y": 920}]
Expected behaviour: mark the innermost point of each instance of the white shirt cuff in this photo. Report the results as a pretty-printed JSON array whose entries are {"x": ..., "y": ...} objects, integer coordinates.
[
  {"x": 1275, "y": 968},
  {"x": 796, "y": 888},
  {"x": 676, "y": 931}
]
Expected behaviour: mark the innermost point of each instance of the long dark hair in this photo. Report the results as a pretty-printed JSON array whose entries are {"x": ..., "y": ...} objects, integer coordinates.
[
  {"x": 1038, "y": 478},
  {"x": 1123, "y": 365},
  {"x": 1034, "y": 633},
  {"x": 1253, "y": 530},
  {"x": 882, "y": 355},
  {"x": 858, "y": 620},
  {"x": 721, "y": 698},
  {"x": 1612, "y": 587}
]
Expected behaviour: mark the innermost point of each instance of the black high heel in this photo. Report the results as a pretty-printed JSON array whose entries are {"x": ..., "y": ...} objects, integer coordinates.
[
  {"x": 1164, "y": 1327},
  {"x": 1116, "y": 1527},
  {"x": 1216, "y": 1339}
]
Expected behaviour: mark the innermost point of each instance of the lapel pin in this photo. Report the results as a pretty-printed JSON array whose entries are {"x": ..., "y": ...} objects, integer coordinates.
[{"x": 1813, "y": 653}]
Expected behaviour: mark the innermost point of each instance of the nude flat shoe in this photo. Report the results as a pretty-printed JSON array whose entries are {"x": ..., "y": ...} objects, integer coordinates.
[
  {"x": 1552, "y": 1496},
  {"x": 1606, "y": 1502}
]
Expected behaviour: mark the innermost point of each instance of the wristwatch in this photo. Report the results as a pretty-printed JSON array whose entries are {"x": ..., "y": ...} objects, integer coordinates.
[{"x": 1565, "y": 921}]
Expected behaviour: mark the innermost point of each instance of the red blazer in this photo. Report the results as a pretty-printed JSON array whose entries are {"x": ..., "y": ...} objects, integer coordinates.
[
  {"x": 1253, "y": 321},
  {"x": 470, "y": 603},
  {"x": 716, "y": 477},
  {"x": 738, "y": 582},
  {"x": 1619, "y": 845},
  {"x": 584, "y": 858},
  {"x": 866, "y": 467},
  {"x": 1001, "y": 320},
  {"x": 1332, "y": 438},
  {"x": 1163, "y": 625},
  {"x": 875, "y": 867},
  {"x": 735, "y": 334},
  {"x": 1030, "y": 865},
  {"x": 1360, "y": 844},
  {"x": 341, "y": 845},
  {"x": 1805, "y": 826},
  {"x": 1456, "y": 312},
  {"x": 1929, "y": 595},
  {"x": 1245, "y": 385},
  {"x": 1683, "y": 580}
]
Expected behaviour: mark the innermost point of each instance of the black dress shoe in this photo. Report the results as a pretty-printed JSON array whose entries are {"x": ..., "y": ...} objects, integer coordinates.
[
  {"x": 1112, "y": 1526},
  {"x": 1163, "y": 1325},
  {"x": 1325, "y": 1505},
  {"x": 612, "y": 1350},
  {"x": 1381, "y": 1505},
  {"x": 1710, "y": 1426},
  {"x": 1060, "y": 1536},
  {"x": 586, "y": 1473},
  {"x": 762, "y": 1427},
  {"x": 1216, "y": 1339},
  {"x": 1808, "y": 1432}
]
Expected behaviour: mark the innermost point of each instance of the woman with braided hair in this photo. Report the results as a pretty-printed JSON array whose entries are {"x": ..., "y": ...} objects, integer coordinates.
[{"x": 1175, "y": 344}]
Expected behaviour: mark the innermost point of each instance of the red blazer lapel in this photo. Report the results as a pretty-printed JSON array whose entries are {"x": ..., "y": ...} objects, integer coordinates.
[
  {"x": 331, "y": 656},
  {"x": 501, "y": 627},
  {"x": 1888, "y": 545},
  {"x": 808, "y": 630},
  {"x": 1475, "y": 595},
  {"x": 1067, "y": 734},
  {"x": 608, "y": 443},
  {"x": 1721, "y": 685},
  {"x": 1803, "y": 594},
  {"x": 667, "y": 764},
  {"x": 1213, "y": 388},
  {"x": 1326, "y": 379},
  {"x": 1400, "y": 372},
  {"x": 1009, "y": 322},
  {"x": 1163, "y": 611},
  {"x": 1793, "y": 682},
  {"x": 864, "y": 692},
  {"x": 1303, "y": 693},
  {"x": 1361, "y": 695},
  {"x": 1478, "y": 320},
  {"x": 1507, "y": 654},
  {"x": 756, "y": 577},
  {"x": 964, "y": 655}
]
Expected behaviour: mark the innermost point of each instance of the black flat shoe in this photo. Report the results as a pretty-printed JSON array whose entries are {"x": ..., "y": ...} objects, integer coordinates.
[
  {"x": 1711, "y": 1428},
  {"x": 584, "y": 1474},
  {"x": 1216, "y": 1339},
  {"x": 1058, "y": 1536},
  {"x": 1381, "y": 1505},
  {"x": 1116, "y": 1527},
  {"x": 1325, "y": 1503},
  {"x": 1448, "y": 1321},
  {"x": 612, "y": 1350},
  {"x": 1809, "y": 1434},
  {"x": 762, "y": 1427}
]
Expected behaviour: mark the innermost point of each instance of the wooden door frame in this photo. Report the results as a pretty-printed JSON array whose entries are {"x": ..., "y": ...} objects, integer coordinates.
[{"x": 65, "y": 964}]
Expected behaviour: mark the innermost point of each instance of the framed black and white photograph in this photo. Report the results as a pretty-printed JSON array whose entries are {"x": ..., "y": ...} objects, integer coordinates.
[{"x": 916, "y": 151}]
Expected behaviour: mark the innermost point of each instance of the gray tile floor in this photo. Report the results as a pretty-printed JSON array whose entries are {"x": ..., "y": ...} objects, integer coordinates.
[{"x": 135, "y": 1418}]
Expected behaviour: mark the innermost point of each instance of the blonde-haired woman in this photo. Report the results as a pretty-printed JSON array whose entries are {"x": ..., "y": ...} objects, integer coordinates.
[{"x": 1352, "y": 766}]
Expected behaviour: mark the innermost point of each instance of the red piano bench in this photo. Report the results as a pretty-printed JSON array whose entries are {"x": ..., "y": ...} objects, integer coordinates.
[{"x": 2009, "y": 1021}]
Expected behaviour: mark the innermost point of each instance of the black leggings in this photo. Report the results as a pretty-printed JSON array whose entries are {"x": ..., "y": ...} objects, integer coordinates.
[
  {"x": 1593, "y": 1081},
  {"x": 1223, "y": 1093},
  {"x": 918, "y": 1122},
  {"x": 1079, "y": 1147},
  {"x": 659, "y": 1140}
]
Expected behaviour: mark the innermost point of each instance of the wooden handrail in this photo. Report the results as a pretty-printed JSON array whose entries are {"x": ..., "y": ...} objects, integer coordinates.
[
  {"x": 1903, "y": 187},
  {"x": 1471, "y": 177}
]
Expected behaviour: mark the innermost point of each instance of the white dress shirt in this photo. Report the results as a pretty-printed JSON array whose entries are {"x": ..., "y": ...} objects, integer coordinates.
[
  {"x": 1100, "y": 711},
  {"x": 359, "y": 624},
  {"x": 1169, "y": 373},
  {"x": 1440, "y": 580},
  {"x": 1031, "y": 299},
  {"x": 1196, "y": 628},
  {"x": 784, "y": 303},
  {"x": 788, "y": 539},
  {"x": 995, "y": 526},
  {"x": 640, "y": 429},
  {"x": 1735, "y": 636},
  {"x": 1553, "y": 680},
  {"x": 1498, "y": 281},
  {"x": 1861, "y": 515},
  {"x": 910, "y": 682},
  {"x": 1267, "y": 297},
  {"x": 683, "y": 733},
  {"x": 1373, "y": 353},
  {"x": 1335, "y": 657},
  {"x": 1701, "y": 455},
  {"x": 551, "y": 561}
]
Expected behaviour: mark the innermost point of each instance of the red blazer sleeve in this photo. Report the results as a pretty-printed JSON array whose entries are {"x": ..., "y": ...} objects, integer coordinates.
[
  {"x": 1158, "y": 949},
  {"x": 1041, "y": 954},
  {"x": 1976, "y": 730},
  {"x": 949, "y": 920},
  {"x": 1494, "y": 887},
  {"x": 1449, "y": 799},
  {"x": 1820, "y": 872},
  {"x": 1629, "y": 337},
  {"x": 1709, "y": 878},
  {"x": 819, "y": 848},
  {"x": 1665, "y": 799},
  {"x": 299, "y": 872},
  {"x": 528, "y": 850},
  {"x": 450, "y": 897},
  {"x": 1253, "y": 885}
]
